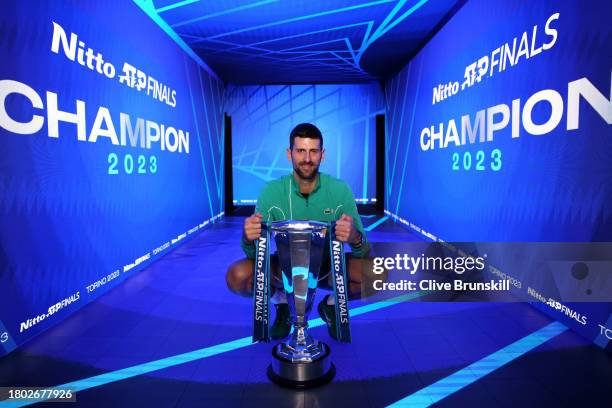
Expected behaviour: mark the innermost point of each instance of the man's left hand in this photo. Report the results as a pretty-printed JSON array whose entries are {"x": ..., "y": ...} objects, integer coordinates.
[{"x": 346, "y": 231}]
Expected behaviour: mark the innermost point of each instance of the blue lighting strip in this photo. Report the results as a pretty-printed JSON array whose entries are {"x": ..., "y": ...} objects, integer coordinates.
[
  {"x": 176, "y": 5},
  {"x": 134, "y": 371},
  {"x": 400, "y": 126},
  {"x": 301, "y": 18},
  {"x": 416, "y": 98},
  {"x": 376, "y": 224},
  {"x": 195, "y": 121},
  {"x": 387, "y": 25},
  {"x": 148, "y": 7},
  {"x": 217, "y": 14},
  {"x": 475, "y": 371},
  {"x": 366, "y": 153}
]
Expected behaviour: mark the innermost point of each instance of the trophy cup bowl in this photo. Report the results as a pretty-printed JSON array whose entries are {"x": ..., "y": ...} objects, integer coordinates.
[{"x": 301, "y": 361}]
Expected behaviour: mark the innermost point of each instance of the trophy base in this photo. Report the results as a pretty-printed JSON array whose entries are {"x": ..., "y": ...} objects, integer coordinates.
[{"x": 301, "y": 375}]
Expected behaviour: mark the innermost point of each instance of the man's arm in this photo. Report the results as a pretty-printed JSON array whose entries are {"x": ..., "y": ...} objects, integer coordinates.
[
  {"x": 251, "y": 232},
  {"x": 351, "y": 229},
  {"x": 252, "y": 225}
]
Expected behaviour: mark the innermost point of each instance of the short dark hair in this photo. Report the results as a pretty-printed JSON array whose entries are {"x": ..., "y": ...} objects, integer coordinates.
[{"x": 307, "y": 130}]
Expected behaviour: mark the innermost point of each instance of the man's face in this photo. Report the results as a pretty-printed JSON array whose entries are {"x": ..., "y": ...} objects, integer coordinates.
[{"x": 306, "y": 157}]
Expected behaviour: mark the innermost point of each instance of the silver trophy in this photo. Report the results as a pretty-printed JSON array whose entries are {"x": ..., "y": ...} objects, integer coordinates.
[{"x": 301, "y": 361}]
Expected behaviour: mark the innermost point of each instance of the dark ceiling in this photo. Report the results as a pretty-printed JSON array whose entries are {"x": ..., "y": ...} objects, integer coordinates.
[{"x": 330, "y": 41}]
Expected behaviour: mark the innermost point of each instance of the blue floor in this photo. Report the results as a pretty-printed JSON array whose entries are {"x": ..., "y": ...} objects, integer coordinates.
[{"x": 183, "y": 338}]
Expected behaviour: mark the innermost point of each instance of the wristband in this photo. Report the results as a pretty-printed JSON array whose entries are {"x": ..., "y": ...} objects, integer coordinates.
[{"x": 360, "y": 243}]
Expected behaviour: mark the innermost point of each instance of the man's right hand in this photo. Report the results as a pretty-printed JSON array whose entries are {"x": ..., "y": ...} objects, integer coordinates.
[{"x": 252, "y": 228}]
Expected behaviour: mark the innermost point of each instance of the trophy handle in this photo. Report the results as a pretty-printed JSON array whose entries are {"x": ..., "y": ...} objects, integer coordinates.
[
  {"x": 261, "y": 286},
  {"x": 336, "y": 252}
]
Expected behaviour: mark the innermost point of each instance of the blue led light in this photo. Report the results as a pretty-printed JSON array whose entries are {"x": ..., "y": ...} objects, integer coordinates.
[
  {"x": 475, "y": 371},
  {"x": 176, "y": 5},
  {"x": 199, "y": 140},
  {"x": 140, "y": 369},
  {"x": 401, "y": 186},
  {"x": 377, "y": 223},
  {"x": 148, "y": 7},
  {"x": 217, "y": 14}
]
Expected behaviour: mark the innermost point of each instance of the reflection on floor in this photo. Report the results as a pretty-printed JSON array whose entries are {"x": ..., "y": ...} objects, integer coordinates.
[{"x": 180, "y": 304}]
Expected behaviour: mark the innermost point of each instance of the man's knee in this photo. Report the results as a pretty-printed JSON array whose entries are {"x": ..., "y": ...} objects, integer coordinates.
[
  {"x": 239, "y": 277},
  {"x": 363, "y": 274},
  {"x": 362, "y": 269}
]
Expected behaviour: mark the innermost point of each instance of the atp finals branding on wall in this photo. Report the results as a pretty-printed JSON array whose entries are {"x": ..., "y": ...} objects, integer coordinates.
[
  {"x": 156, "y": 135},
  {"x": 485, "y": 123},
  {"x": 505, "y": 127},
  {"x": 499, "y": 130},
  {"x": 110, "y": 136}
]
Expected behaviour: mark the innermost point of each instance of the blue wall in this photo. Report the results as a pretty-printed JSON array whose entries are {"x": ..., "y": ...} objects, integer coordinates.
[
  {"x": 79, "y": 216},
  {"x": 555, "y": 186},
  {"x": 545, "y": 175},
  {"x": 263, "y": 116}
]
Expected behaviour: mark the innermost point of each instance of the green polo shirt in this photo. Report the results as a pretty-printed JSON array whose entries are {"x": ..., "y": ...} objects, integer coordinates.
[{"x": 282, "y": 200}]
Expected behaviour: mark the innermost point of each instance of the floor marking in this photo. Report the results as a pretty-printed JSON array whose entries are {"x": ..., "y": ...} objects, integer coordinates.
[
  {"x": 460, "y": 379},
  {"x": 144, "y": 368},
  {"x": 377, "y": 223}
]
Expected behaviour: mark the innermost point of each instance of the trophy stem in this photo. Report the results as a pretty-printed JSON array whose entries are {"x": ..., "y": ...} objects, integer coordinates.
[
  {"x": 300, "y": 330},
  {"x": 300, "y": 335}
]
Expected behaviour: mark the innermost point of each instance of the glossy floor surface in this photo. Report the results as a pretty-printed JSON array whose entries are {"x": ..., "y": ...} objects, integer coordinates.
[{"x": 173, "y": 335}]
